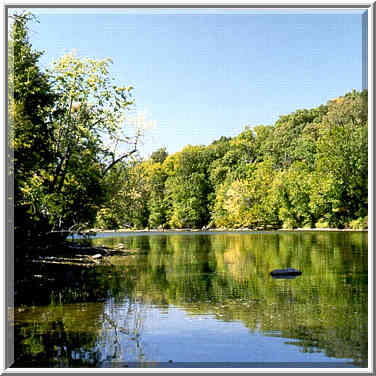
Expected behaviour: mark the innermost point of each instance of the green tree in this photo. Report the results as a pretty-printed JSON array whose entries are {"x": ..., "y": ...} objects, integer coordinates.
[
  {"x": 156, "y": 201},
  {"x": 68, "y": 133},
  {"x": 30, "y": 98},
  {"x": 343, "y": 156},
  {"x": 159, "y": 155},
  {"x": 127, "y": 193},
  {"x": 292, "y": 189},
  {"x": 89, "y": 116},
  {"x": 309, "y": 169},
  {"x": 290, "y": 140},
  {"x": 187, "y": 187},
  {"x": 248, "y": 202}
]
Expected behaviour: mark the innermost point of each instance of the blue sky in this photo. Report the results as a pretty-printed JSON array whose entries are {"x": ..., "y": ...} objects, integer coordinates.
[{"x": 203, "y": 74}]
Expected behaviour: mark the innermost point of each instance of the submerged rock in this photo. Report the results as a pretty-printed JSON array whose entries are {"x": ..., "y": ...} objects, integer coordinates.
[{"x": 285, "y": 272}]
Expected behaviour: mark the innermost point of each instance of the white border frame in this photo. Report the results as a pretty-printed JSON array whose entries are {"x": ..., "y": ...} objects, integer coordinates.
[{"x": 335, "y": 5}]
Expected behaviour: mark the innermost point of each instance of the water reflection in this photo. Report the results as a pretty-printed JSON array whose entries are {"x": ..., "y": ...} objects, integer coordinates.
[{"x": 130, "y": 311}]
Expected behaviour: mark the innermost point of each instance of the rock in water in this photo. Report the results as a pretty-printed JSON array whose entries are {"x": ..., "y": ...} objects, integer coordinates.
[{"x": 285, "y": 272}]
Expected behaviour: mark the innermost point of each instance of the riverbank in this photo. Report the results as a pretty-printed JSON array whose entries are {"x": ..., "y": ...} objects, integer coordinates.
[
  {"x": 84, "y": 254},
  {"x": 127, "y": 230},
  {"x": 71, "y": 253}
]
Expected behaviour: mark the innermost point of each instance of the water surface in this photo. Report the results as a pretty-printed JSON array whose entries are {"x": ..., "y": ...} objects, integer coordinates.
[{"x": 201, "y": 299}]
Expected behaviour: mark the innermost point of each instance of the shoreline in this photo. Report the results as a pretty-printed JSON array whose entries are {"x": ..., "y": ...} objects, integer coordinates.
[{"x": 219, "y": 230}]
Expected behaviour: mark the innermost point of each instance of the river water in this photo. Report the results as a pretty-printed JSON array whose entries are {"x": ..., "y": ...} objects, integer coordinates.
[{"x": 201, "y": 300}]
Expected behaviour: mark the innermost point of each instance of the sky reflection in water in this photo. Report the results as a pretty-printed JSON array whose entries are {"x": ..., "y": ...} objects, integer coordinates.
[{"x": 204, "y": 298}]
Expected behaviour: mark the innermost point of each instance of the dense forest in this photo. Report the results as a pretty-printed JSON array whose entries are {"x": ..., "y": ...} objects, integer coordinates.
[{"x": 309, "y": 169}]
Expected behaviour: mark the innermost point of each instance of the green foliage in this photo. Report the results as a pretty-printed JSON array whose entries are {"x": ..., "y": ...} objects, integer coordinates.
[
  {"x": 31, "y": 133},
  {"x": 309, "y": 170},
  {"x": 156, "y": 203},
  {"x": 159, "y": 155},
  {"x": 188, "y": 200},
  {"x": 187, "y": 187},
  {"x": 293, "y": 137},
  {"x": 359, "y": 224},
  {"x": 293, "y": 187},
  {"x": 68, "y": 125},
  {"x": 248, "y": 202},
  {"x": 127, "y": 192},
  {"x": 343, "y": 155}
]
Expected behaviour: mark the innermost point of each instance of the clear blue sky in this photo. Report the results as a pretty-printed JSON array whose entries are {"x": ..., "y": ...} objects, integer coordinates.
[{"x": 200, "y": 75}]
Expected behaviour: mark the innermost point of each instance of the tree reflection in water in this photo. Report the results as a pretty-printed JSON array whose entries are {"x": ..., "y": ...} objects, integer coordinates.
[
  {"x": 121, "y": 338},
  {"x": 98, "y": 319}
]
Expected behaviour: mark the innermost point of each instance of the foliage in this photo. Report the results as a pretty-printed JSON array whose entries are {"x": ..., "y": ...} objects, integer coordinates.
[
  {"x": 308, "y": 170},
  {"x": 72, "y": 163},
  {"x": 159, "y": 155},
  {"x": 31, "y": 132},
  {"x": 343, "y": 155},
  {"x": 127, "y": 192},
  {"x": 68, "y": 134},
  {"x": 187, "y": 188}
]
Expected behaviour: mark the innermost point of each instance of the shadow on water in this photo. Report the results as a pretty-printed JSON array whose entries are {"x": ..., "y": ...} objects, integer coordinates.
[{"x": 70, "y": 316}]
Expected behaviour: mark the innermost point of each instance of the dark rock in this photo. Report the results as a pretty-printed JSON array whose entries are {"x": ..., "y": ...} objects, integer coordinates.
[
  {"x": 285, "y": 272},
  {"x": 284, "y": 276}
]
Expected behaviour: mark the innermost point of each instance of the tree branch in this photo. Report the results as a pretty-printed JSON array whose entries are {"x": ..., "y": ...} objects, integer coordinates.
[{"x": 126, "y": 155}]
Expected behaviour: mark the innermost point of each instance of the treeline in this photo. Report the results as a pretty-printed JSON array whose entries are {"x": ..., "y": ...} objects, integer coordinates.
[
  {"x": 308, "y": 170},
  {"x": 66, "y": 127}
]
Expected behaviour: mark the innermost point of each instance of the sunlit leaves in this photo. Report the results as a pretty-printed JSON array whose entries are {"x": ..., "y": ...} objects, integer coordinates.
[{"x": 309, "y": 170}]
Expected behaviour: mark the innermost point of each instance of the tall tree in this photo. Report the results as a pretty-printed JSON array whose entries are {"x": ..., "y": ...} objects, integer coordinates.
[
  {"x": 30, "y": 97},
  {"x": 89, "y": 118},
  {"x": 68, "y": 133}
]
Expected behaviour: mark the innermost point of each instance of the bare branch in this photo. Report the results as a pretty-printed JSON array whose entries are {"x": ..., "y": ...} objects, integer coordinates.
[{"x": 126, "y": 155}]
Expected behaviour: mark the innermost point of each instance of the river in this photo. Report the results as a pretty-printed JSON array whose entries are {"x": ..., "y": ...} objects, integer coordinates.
[{"x": 202, "y": 300}]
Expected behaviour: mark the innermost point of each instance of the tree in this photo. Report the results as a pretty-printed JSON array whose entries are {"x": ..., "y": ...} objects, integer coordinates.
[
  {"x": 187, "y": 187},
  {"x": 68, "y": 134},
  {"x": 156, "y": 201},
  {"x": 30, "y": 98},
  {"x": 343, "y": 156},
  {"x": 159, "y": 155},
  {"x": 88, "y": 118},
  {"x": 88, "y": 115},
  {"x": 289, "y": 141},
  {"x": 248, "y": 202},
  {"x": 293, "y": 188},
  {"x": 310, "y": 169},
  {"x": 127, "y": 190}
]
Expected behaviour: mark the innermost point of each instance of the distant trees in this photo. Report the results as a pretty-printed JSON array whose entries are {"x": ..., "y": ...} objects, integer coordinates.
[
  {"x": 159, "y": 155},
  {"x": 342, "y": 157},
  {"x": 308, "y": 170}
]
